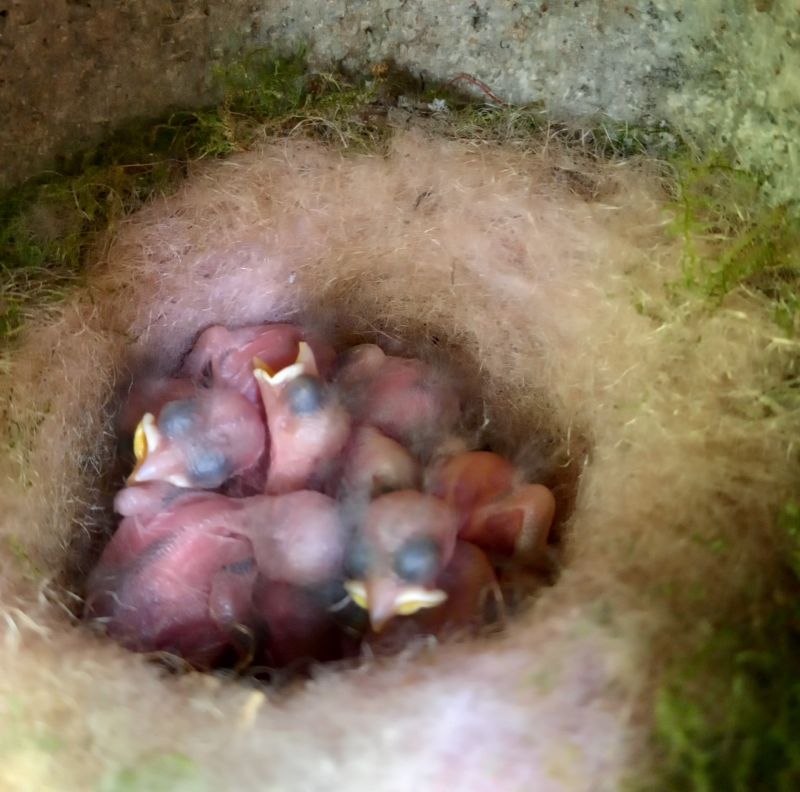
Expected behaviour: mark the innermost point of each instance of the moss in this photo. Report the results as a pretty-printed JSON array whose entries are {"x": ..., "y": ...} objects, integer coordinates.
[
  {"x": 728, "y": 716},
  {"x": 733, "y": 239},
  {"x": 48, "y": 224}
]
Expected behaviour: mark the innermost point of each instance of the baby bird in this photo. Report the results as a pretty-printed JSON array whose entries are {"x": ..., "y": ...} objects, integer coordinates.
[
  {"x": 147, "y": 522},
  {"x": 226, "y": 356},
  {"x": 376, "y": 464},
  {"x": 308, "y": 427},
  {"x": 470, "y": 479},
  {"x": 473, "y": 601},
  {"x": 146, "y": 500},
  {"x": 297, "y": 538},
  {"x": 151, "y": 395},
  {"x": 199, "y": 442},
  {"x": 497, "y": 513},
  {"x": 400, "y": 545},
  {"x": 165, "y": 584},
  {"x": 516, "y": 524},
  {"x": 182, "y": 578},
  {"x": 403, "y": 397}
]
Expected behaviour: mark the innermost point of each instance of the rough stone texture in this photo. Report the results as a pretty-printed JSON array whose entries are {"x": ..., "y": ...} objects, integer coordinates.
[
  {"x": 72, "y": 69},
  {"x": 742, "y": 87},
  {"x": 580, "y": 58}
]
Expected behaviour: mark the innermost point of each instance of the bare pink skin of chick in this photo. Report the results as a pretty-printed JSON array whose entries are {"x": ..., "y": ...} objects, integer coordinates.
[
  {"x": 405, "y": 398},
  {"x": 498, "y": 513},
  {"x": 308, "y": 427},
  {"x": 144, "y": 526},
  {"x": 155, "y": 587},
  {"x": 517, "y": 524},
  {"x": 297, "y": 538},
  {"x": 375, "y": 464},
  {"x": 400, "y": 544},
  {"x": 473, "y": 601},
  {"x": 199, "y": 442},
  {"x": 226, "y": 356}
]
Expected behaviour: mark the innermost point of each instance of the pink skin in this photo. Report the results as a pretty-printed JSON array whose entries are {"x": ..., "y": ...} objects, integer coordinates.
[
  {"x": 375, "y": 463},
  {"x": 388, "y": 526},
  {"x": 148, "y": 499},
  {"x": 229, "y": 354},
  {"x": 137, "y": 532},
  {"x": 150, "y": 395},
  {"x": 498, "y": 514},
  {"x": 471, "y": 479},
  {"x": 204, "y": 441},
  {"x": 230, "y": 602},
  {"x": 403, "y": 397},
  {"x": 182, "y": 580},
  {"x": 471, "y": 587},
  {"x": 297, "y": 538},
  {"x": 161, "y": 583},
  {"x": 163, "y": 600},
  {"x": 306, "y": 439},
  {"x": 515, "y": 524}
]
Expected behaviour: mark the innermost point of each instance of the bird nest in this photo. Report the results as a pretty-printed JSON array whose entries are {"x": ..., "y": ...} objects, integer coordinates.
[{"x": 547, "y": 302}]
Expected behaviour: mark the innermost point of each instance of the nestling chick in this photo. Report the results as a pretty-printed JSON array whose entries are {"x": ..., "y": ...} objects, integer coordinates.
[
  {"x": 166, "y": 586},
  {"x": 398, "y": 548},
  {"x": 199, "y": 442},
  {"x": 515, "y": 524},
  {"x": 151, "y": 395},
  {"x": 403, "y": 397},
  {"x": 308, "y": 427},
  {"x": 473, "y": 601},
  {"x": 226, "y": 356},
  {"x": 376, "y": 464},
  {"x": 498, "y": 513},
  {"x": 180, "y": 578},
  {"x": 146, "y": 500},
  {"x": 470, "y": 479},
  {"x": 148, "y": 522},
  {"x": 297, "y": 538}
]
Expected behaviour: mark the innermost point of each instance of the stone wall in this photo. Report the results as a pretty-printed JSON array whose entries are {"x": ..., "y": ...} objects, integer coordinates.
[{"x": 724, "y": 71}]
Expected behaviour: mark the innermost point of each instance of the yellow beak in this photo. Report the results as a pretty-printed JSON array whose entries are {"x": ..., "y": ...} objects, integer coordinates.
[
  {"x": 385, "y": 599},
  {"x": 305, "y": 363}
]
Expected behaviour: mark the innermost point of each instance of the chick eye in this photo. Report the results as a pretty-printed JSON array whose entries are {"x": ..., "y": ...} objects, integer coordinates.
[
  {"x": 418, "y": 560},
  {"x": 208, "y": 468},
  {"x": 177, "y": 418},
  {"x": 305, "y": 395},
  {"x": 358, "y": 559}
]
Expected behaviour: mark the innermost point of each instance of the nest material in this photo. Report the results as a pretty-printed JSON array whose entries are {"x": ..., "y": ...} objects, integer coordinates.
[{"x": 531, "y": 288}]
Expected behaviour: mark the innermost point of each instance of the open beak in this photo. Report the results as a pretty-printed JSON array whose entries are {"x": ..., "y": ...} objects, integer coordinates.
[
  {"x": 152, "y": 466},
  {"x": 305, "y": 363},
  {"x": 146, "y": 439},
  {"x": 385, "y": 599}
]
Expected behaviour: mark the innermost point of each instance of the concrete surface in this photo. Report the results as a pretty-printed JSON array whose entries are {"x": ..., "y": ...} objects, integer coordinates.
[{"x": 725, "y": 71}]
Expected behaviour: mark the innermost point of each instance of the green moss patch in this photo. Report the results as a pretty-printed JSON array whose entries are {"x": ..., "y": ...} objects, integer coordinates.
[{"x": 728, "y": 716}]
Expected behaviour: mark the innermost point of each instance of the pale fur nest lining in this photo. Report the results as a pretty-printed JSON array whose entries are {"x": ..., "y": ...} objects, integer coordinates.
[{"x": 531, "y": 288}]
